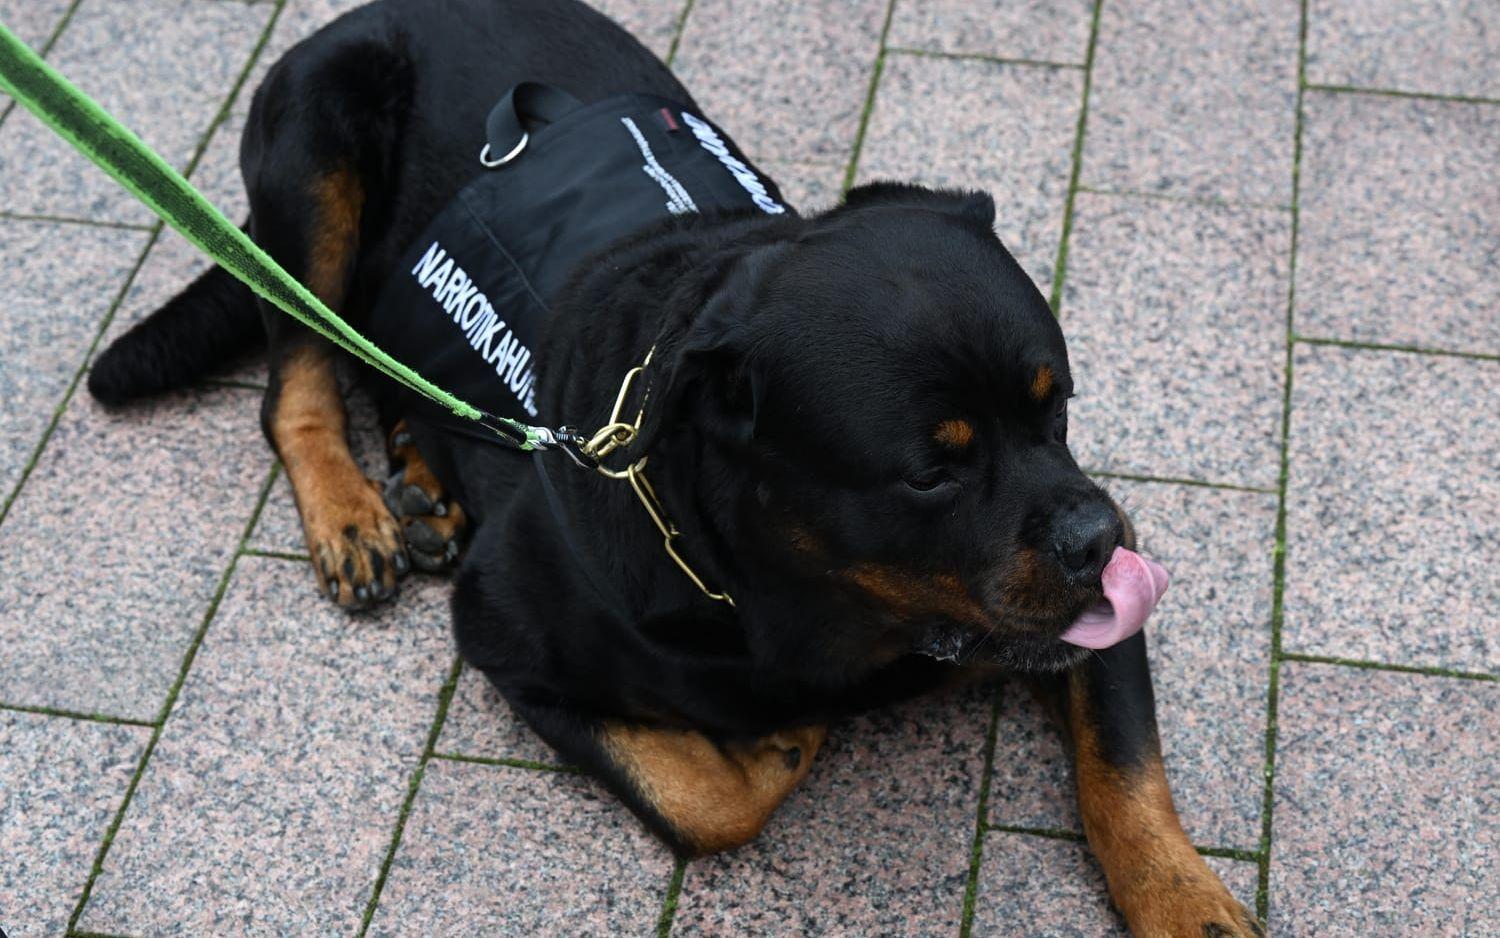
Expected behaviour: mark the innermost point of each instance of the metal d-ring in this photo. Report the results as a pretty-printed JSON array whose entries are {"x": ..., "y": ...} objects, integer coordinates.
[{"x": 484, "y": 155}]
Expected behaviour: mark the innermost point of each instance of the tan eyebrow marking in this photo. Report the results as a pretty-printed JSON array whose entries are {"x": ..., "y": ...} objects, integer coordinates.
[
  {"x": 1041, "y": 385},
  {"x": 956, "y": 433}
]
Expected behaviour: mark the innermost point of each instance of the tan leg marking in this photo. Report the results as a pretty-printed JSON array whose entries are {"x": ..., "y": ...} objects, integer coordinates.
[
  {"x": 1156, "y": 878},
  {"x": 715, "y": 797}
]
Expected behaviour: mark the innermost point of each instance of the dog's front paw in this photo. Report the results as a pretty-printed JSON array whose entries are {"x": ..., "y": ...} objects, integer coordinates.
[
  {"x": 431, "y": 525},
  {"x": 356, "y": 546},
  {"x": 1194, "y": 913}
]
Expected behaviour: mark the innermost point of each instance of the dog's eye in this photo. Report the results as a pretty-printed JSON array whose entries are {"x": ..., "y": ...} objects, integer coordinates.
[
  {"x": 928, "y": 482},
  {"x": 1060, "y": 422}
]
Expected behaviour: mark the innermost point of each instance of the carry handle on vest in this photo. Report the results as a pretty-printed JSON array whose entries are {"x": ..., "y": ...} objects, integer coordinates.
[{"x": 530, "y": 105}]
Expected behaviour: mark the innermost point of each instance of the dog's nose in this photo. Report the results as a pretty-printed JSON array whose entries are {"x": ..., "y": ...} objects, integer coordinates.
[{"x": 1084, "y": 537}]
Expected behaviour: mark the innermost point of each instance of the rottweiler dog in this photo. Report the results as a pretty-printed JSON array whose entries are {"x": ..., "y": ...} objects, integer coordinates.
[{"x": 857, "y": 421}]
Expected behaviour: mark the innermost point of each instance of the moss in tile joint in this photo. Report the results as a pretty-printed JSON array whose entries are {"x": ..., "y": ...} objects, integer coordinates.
[
  {"x": 1050, "y": 833},
  {"x": 1384, "y": 666},
  {"x": 980, "y": 57},
  {"x": 277, "y": 554},
  {"x": 682, "y": 18},
  {"x": 445, "y": 698},
  {"x": 1187, "y": 199},
  {"x": 869, "y": 105},
  {"x": 69, "y": 220},
  {"x": 981, "y": 818},
  {"x": 1397, "y": 93},
  {"x": 503, "y": 762},
  {"x": 669, "y": 904},
  {"x": 1405, "y": 349},
  {"x": 76, "y": 715},
  {"x": 166, "y": 709},
  {"x": 1173, "y": 480},
  {"x": 1060, "y": 267}
]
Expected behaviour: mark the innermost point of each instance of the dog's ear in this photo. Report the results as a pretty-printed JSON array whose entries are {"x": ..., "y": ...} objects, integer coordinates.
[
  {"x": 968, "y": 204},
  {"x": 706, "y": 370}
]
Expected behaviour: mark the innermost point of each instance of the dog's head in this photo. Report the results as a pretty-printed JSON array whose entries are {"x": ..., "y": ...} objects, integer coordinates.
[{"x": 887, "y": 393}]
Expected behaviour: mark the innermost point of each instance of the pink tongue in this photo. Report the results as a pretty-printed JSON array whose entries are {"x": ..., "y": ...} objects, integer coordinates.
[{"x": 1132, "y": 587}]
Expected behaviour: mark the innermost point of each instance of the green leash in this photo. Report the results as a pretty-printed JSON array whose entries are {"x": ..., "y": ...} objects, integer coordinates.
[{"x": 81, "y": 121}]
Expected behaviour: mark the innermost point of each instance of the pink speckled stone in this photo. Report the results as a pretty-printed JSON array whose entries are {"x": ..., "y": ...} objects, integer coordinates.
[
  {"x": 1007, "y": 129},
  {"x": 1209, "y": 645},
  {"x": 1387, "y": 814},
  {"x": 502, "y": 851},
  {"x": 58, "y": 283},
  {"x": 786, "y": 79},
  {"x": 163, "y": 67},
  {"x": 33, "y": 22},
  {"x": 807, "y": 187},
  {"x": 877, "y": 841},
  {"x": 269, "y": 803},
  {"x": 61, "y": 781},
  {"x": 653, "y": 22},
  {"x": 1436, "y": 46},
  {"x": 1195, "y": 99},
  {"x": 1176, "y": 322},
  {"x": 1049, "y": 30},
  {"x": 1036, "y": 886},
  {"x": 111, "y": 554},
  {"x": 1392, "y": 532},
  {"x": 480, "y": 723},
  {"x": 1399, "y": 217}
]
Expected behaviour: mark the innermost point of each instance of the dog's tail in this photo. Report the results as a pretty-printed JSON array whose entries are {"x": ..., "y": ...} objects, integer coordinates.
[{"x": 214, "y": 320}]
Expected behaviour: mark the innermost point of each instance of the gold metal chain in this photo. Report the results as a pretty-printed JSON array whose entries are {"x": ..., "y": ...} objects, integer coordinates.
[{"x": 617, "y": 434}]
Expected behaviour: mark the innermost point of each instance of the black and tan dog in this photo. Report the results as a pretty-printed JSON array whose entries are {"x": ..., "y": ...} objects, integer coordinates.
[{"x": 858, "y": 421}]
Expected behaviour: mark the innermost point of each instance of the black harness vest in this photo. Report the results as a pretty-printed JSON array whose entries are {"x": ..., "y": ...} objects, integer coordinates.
[{"x": 469, "y": 301}]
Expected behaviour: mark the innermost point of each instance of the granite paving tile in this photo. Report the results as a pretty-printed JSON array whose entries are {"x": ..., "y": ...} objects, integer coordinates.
[
  {"x": 162, "y": 67},
  {"x": 1399, "y": 218},
  {"x": 1210, "y": 652},
  {"x": 494, "y": 850},
  {"x": 1386, "y": 809},
  {"x": 59, "y": 283},
  {"x": 807, "y": 187},
  {"x": 61, "y": 782},
  {"x": 877, "y": 841},
  {"x": 118, "y": 542},
  {"x": 1391, "y": 529},
  {"x": 1036, "y": 886},
  {"x": 1175, "y": 315},
  {"x": 787, "y": 80},
  {"x": 1046, "y": 30},
  {"x": 1195, "y": 99},
  {"x": 481, "y": 723},
  {"x": 32, "y": 21},
  {"x": 1434, "y": 46},
  {"x": 1006, "y": 129},
  {"x": 653, "y": 22},
  {"x": 270, "y": 800},
  {"x": 298, "y": 20}
]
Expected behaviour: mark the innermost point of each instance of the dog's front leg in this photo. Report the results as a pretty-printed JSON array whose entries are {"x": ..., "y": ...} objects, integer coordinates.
[{"x": 1155, "y": 876}]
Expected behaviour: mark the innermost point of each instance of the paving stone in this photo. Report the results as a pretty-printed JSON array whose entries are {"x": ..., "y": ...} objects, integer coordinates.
[
  {"x": 270, "y": 800},
  {"x": 32, "y": 21},
  {"x": 61, "y": 782},
  {"x": 1386, "y": 808},
  {"x": 1195, "y": 99},
  {"x": 118, "y": 542},
  {"x": 1036, "y": 886},
  {"x": 1436, "y": 46},
  {"x": 787, "y": 80},
  {"x": 807, "y": 187},
  {"x": 1175, "y": 315},
  {"x": 1210, "y": 647},
  {"x": 162, "y": 67},
  {"x": 298, "y": 20},
  {"x": 493, "y": 850},
  {"x": 1391, "y": 526},
  {"x": 481, "y": 723},
  {"x": 1399, "y": 217},
  {"x": 877, "y": 841},
  {"x": 55, "y": 298},
  {"x": 1007, "y": 129},
  {"x": 1046, "y": 30},
  {"x": 653, "y": 22}
]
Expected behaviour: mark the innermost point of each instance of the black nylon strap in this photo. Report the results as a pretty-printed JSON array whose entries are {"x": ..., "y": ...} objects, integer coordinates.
[{"x": 528, "y": 106}]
